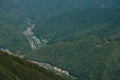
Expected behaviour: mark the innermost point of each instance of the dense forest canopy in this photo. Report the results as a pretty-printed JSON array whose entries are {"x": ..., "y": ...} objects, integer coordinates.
[
  {"x": 80, "y": 36},
  {"x": 15, "y": 68}
]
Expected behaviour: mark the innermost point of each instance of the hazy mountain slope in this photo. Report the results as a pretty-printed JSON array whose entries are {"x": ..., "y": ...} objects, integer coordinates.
[
  {"x": 14, "y": 68},
  {"x": 11, "y": 13},
  {"x": 85, "y": 32},
  {"x": 11, "y": 36},
  {"x": 41, "y": 9},
  {"x": 12, "y": 22},
  {"x": 90, "y": 59},
  {"x": 78, "y": 24},
  {"x": 46, "y": 9},
  {"x": 14, "y": 13},
  {"x": 93, "y": 53},
  {"x": 13, "y": 40}
]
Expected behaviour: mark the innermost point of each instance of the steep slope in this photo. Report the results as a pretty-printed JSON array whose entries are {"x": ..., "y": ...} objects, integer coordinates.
[
  {"x": 86, "y": 43},
  {"x": 14, "y": 14},
  {"x": 11, "y": 25},
  {"x": 15, "y": 38},
  {"x": 78, "y": 24},
  {"x": 90, "y": 59},
  {"x": 14, "y": 68},
  {"x": 41, "y": 9}
]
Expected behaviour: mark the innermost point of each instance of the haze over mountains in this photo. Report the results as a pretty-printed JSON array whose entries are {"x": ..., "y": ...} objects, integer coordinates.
[
  {"x": 47, "y": 8},
  {"x": 81, "y": 36}
]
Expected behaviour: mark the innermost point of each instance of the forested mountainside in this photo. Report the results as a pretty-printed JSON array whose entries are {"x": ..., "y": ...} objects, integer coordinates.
[
  {"x": 11, "y": 25},
  {"x": 81, "y": 36},
  {"x": 15, "y": 68},
  {"x": 15, "y": 14},
  {"x": 41, "y": 9},
  {"x": 78, "y": 24},
  {"x": 85, "y": 43},
  {"x": 90, "y": 59},
  {"x": 13, "y": 40}
]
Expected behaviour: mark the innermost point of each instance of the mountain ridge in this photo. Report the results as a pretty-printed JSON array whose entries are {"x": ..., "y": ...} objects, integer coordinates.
[
  {"x": 11, "y": 72},
  {"x": 84, "y": 34}
]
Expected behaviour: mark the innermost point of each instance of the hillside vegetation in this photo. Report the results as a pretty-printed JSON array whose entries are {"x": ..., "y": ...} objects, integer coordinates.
[
  {"x": 83, "y": 36},
  {"x": 11, "y": 22},
  {"x": 85, "y": 43},
  {"x": 90, "y": 59},
  {"x": 78, "y": 24},
  {"x": 51, "y": 18},
  {"x": 15, "y": 68}
]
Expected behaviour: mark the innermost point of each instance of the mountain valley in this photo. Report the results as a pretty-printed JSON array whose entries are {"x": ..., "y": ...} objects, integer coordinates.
[{"x": 81, "y": 37}]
